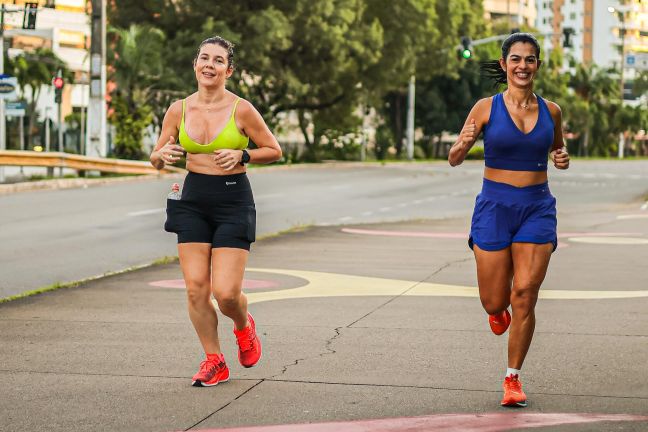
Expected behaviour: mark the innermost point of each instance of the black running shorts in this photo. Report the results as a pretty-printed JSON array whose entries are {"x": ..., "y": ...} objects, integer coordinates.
[{"x": 214, "y": 209}]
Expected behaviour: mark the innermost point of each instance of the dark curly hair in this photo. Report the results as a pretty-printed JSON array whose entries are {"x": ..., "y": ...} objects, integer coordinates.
[{"x": 492, "y": 69}]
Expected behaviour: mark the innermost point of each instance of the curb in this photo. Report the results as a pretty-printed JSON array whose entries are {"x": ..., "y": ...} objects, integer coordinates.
[{"x": 54, "y": 184}]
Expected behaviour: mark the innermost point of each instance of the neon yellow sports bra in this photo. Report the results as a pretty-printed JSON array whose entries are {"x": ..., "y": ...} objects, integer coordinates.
[{"x": 228, "y": 138}]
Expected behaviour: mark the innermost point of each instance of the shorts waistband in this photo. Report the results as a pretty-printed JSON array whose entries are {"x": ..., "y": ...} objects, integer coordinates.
[
  {"x": 509, "y": 193},
  {"x": 217, "y": 182}
]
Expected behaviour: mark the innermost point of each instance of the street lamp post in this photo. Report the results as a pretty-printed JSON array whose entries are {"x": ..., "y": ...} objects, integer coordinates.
[{"x": 620, "y": 12}]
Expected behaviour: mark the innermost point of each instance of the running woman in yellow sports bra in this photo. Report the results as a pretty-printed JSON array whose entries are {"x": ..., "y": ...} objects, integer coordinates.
[{"x": 215, "y": 219}]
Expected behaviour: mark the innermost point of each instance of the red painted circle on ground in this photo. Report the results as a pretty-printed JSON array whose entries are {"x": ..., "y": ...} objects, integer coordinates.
[{"x": 247, "y": 284}]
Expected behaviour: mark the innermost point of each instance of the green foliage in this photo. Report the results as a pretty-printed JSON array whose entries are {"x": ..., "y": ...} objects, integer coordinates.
[
  {"x": 34, "y": 70},
  {"x": 136, "y": 73},
  {"x": 319, "y": 61},
  {"x": 129, "y": 126},
  {"x": 640, "y": 84},
  {"x": 475, "y": 153}
]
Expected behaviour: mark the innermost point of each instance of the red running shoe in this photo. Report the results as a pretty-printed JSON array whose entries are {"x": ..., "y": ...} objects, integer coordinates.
[
  {"x": 211, "y": 372},
  {"x": 513, "y": 394},
  {"x": 249, "y": 345},
  {"x": 499, "y": 323}
]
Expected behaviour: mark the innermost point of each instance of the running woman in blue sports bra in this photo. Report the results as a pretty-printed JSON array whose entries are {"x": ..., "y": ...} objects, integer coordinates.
[
  {"x": 215, "y": 218},
  {"x": 513, "y": 230}
]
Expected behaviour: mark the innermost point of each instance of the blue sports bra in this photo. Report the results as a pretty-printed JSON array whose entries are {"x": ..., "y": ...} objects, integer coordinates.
[{"x": 507, "y": 147}]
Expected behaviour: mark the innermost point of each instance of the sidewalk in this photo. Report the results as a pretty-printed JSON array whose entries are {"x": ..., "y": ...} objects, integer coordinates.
[{"x": 363, "y": 323}]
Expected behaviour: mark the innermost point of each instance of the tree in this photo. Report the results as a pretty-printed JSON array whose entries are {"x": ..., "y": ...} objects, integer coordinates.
[
  {"x": 136, "y": 71},
  {"x": 34, "y": 70},
  {"x": 600, "y": 95},
  {"x": 434, "y": 29}
]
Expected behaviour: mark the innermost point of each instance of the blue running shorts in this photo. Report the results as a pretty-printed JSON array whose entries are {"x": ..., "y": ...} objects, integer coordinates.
[{"x": 506, "y": 214}]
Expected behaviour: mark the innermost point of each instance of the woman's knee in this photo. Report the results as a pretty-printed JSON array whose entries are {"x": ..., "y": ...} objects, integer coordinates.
[
  {"x": 228, "y": 300},
  {"x": 524, "y": 296},
  {"x": 198, "y": 293},
  {"x": 494, "y": 306}
]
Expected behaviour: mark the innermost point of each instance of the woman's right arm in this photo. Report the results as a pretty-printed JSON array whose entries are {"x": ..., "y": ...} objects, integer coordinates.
[
  {"x": 477, "y": 119},
  {"x": 166, "y": 150}
]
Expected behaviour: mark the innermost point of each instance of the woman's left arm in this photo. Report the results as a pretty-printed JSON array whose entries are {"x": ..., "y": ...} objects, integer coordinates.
[
  {"x": 558, "y": 154},
  {"x": 251, "y": 124}
]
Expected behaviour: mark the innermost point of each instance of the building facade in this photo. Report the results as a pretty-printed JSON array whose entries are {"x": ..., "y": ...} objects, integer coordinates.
[
  {"x": 516, "y": 12},
  {"x": 64, "y": 27},
  {"x": 608, "y": 33}
]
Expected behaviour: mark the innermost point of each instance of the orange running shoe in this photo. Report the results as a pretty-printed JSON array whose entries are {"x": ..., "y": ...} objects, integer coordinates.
[
  {"x": 211, "y": 372},
  {"x": 249, "y": 345},
  {"x": 513, "y": 394},
  {"x": 499, "y": 323}
]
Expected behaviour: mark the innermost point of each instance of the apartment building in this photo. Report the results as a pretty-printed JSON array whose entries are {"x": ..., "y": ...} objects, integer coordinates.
[
  {"x": 516, "y": 12},
  {"x": 64, "y": 27}
]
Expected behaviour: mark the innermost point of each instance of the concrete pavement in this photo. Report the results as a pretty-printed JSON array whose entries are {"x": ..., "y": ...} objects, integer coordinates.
[{"x": 375, "y": 324}]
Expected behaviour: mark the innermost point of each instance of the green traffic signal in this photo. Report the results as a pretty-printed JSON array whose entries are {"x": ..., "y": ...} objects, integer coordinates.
[{"x": 466, "y": 53}]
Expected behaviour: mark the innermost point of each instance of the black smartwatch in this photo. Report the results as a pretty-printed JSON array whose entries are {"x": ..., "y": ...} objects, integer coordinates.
[{"x": 245, "y": 157}]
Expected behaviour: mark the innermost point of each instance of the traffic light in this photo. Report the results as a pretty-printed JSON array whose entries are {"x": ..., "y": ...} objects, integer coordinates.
[
  {"x": 466, "y": 48},
  {"x": 58, "y": 82},
  {"x": 567, "y": 34},
  {"x": 29, "y": 18}
]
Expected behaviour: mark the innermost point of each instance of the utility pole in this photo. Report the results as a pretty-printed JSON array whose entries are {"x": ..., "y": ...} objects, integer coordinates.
[
  {"x": 96, "y": 131},
  {"x": 410, "y": 117},
  {"x": 620, "y": 12}
]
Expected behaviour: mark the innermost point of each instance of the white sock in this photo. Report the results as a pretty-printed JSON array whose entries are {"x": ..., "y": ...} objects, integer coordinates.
[{"x": 511, "y": 371}]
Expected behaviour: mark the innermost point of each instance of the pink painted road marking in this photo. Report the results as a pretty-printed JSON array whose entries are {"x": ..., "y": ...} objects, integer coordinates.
[
  {"x": 247, "y": 284},
  {"x": 489, "y": 422}
]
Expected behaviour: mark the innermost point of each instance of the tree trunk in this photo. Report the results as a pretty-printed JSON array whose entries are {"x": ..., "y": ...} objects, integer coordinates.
[
  {"x": 398, "y": 123},
  {"x": 310, "y": 151},
  {"x": 586, "y": 143},
  {"x": 439, "y": 145}
]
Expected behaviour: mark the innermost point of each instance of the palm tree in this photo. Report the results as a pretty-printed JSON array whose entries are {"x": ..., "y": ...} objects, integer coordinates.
[
  {"x": 599, "y": 94},
  {"x": 34, "y": 70},
  {"x": 135, "y": 67}
]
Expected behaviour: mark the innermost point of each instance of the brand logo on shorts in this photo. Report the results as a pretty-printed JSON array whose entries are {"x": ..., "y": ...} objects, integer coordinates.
[{"x": 229, "y": 183}]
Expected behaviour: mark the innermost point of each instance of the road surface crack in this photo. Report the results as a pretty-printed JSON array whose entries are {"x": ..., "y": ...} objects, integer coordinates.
[{"x": 327, "y": 347}]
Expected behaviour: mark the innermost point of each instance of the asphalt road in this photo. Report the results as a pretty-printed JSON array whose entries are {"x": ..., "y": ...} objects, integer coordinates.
[{"x": 49, "y": 237}]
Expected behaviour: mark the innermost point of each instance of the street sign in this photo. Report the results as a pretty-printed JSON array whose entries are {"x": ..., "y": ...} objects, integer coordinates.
[
  {"x": 15, "y": 108},
  {"x": 638, "y": 61},
  {"x": 8, "y": 87}
]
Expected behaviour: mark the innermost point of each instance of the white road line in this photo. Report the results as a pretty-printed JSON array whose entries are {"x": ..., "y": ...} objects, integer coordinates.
[
  {"x": 367, "y": 213},
  {"x": 345, "y": 218},
  {"x": 417, "y": 201},
  {"x": 403, "y": 205},
  {"x": 384, "y": 209},
  {"x": 147, "y": 212}
]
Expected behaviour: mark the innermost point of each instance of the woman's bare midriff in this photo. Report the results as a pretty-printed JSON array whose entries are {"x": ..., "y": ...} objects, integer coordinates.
[
  {"x": 515, "y": 178},
  {"x": 204, "y": 164}
]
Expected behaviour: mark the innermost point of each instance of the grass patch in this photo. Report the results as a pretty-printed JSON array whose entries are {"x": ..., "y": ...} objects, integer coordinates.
[
  {"x": 293, "y": 229},
  {"x": 74, "y": 284}
]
